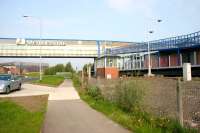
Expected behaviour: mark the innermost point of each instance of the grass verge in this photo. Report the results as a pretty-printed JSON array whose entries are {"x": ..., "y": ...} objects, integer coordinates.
[
  {"x": 22, "y": 115},
  {"x": 33, "y": 74},
  {"x": 50, "y": 80}
]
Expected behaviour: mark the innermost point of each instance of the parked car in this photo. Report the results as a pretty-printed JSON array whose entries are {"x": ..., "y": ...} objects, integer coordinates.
[{"x": 9, "y": 82}]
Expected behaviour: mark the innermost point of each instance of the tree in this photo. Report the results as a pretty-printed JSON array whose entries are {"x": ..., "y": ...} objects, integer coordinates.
[
  {"x": 59, "y": 68},
  {"x": 68, "y": 67}
]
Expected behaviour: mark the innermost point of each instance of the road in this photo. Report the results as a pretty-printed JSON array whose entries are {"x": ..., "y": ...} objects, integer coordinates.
[
  {"x": 67, "y": 113},
  {"x": 30, "y": 90},
  {"x": 59, "y": 93}
]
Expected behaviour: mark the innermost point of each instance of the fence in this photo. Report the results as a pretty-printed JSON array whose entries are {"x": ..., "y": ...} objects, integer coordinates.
[{"x": 191, "y": 103}]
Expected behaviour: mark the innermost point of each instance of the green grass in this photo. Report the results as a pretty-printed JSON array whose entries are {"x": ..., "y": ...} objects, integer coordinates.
[
  {"x": 33, "y": 74},
  {"x": 16, "y": 119},
  {"x": 67, "y": 75},
  {"x": 50, "y": 80},
  {"x": 137, "y": 121}
]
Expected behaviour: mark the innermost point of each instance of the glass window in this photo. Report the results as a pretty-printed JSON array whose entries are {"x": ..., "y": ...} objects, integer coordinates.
[{"x": 5, "y": 77}]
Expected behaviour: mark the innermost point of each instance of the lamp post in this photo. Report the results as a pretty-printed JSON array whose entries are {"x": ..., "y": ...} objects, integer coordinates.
[
  {"x": 40, "y": 26},
  {"x": 149, "y": 55},
  {"x": 149, "y": 51}
]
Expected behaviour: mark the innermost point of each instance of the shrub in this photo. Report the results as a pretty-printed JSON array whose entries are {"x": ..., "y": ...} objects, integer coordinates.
[
  {"x": 129, "y": 94},
  {"x": 76, "y": 81},
  {"x": 94, "y": 92}
]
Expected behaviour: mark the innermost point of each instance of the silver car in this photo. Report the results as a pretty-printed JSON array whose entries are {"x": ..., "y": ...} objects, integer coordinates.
[{"x": 9, "y": 83}]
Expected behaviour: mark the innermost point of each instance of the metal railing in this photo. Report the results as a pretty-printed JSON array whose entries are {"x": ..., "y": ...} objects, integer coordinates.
[{"x": 184, "y": 41}]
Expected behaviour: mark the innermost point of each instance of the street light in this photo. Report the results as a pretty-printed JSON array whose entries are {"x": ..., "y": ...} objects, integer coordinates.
[
  {"x": 159, "y": 20},
  {"x": 149, "y": 54},
  {"x": 40, "y": 22}
]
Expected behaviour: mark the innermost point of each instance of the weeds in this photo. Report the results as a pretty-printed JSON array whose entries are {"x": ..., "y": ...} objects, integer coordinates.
[
  {"x": 94, "y": 92},
  {"x": 129, "y": 95}
]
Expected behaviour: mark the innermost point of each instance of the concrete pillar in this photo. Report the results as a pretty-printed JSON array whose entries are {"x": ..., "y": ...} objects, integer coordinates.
[
  {"x": 158, "y": 59},
  {"x": 105, "y": 62},
  {"x": 123, "y": 63},
  {"x": 169, "y": 61},
  {"x": 195, "y": 57},
  {"x": 140, "y": 62},
  {"x": 179, "y": 58},
  {"x": 187, "y": 76},
  {"x": 89, "y": 71},
  {"x": 136, "y": 62},
  {"x": 95, "y": 66},
  {"x": 98, "y": 48},
  {"x": 181, "y": 62},
  {"x": 131, "y": 62}
]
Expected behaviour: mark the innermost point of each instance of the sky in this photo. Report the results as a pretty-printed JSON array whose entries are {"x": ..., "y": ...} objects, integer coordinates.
[{"x": 119, "y": 20}]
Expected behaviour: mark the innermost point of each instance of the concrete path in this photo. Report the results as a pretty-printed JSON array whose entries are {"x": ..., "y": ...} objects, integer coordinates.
[
  {"x": 65, "y": 91},
  {"x": 66, "y": 113}
]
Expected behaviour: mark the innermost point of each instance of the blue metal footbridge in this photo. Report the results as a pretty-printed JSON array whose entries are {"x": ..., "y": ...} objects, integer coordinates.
[{"x": 179, "y": 42}]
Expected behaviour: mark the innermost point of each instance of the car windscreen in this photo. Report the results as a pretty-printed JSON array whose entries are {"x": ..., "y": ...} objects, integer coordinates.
[{"x": 5, "y": 77}]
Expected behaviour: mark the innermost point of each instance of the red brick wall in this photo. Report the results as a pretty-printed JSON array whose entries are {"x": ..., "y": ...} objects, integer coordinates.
[
  {"x": 103, "y": 72},
  {"x": 14, "y": 71},
  {"x": 3, "y": 70},
  {"x": 114, "y": 72}
]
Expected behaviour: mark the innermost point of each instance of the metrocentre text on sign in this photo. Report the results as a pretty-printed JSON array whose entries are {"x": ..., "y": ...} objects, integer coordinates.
[{"x": 42, "y": 42}]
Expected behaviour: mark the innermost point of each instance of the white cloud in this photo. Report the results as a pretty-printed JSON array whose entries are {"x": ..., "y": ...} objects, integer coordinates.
[
  {"x": 122, "y": 5},
  {"x": 144, "y": 7}
]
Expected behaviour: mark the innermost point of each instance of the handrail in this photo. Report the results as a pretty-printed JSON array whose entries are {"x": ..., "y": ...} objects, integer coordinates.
[{"x": 183, "y": 41}]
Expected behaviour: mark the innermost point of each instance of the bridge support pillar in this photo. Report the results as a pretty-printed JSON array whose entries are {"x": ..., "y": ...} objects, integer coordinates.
[
  {"x": 105, "y": 62},
  {"x": 89, "y": 71},
  {"x": 195, "y": 58},
  {"x": 140, "y": 59},
  {"x": 158, "y": 59},
  {"x": 95, "y": 66},
  {"x": 181, "y": 60}
]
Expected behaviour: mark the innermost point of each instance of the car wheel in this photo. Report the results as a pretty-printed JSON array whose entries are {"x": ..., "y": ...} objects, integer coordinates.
[
  {"x": 19, "y": 88},
  {"x": 7, "y": 90}
]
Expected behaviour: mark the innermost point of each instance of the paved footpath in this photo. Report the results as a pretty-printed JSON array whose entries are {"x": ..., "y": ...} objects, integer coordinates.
[{"x": 66, "y": 113}]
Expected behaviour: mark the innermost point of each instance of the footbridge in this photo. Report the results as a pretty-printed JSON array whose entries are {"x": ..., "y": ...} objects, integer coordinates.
[
  {"x": 166, "y": 55},
  {"x": 55, "y": 48},
  {"x": 114, "y": 57},
  {"x": 173, "y": 43}
]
